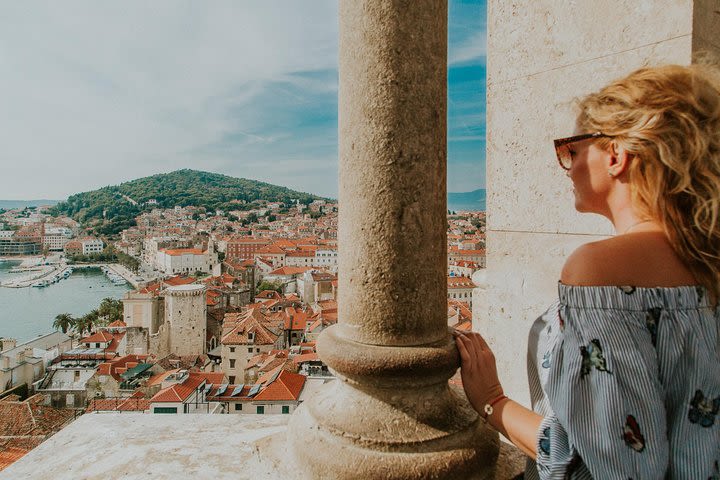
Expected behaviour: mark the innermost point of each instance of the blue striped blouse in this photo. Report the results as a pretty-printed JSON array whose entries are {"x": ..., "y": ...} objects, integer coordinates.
[{"x": 628, "y": 380}]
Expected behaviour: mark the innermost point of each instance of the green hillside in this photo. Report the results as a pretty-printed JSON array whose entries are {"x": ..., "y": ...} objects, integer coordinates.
[{"x": 183, "y": 187}]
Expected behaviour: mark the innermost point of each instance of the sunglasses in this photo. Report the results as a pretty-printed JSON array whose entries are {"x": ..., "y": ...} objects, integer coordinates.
[{"x": 562, "y": 147}]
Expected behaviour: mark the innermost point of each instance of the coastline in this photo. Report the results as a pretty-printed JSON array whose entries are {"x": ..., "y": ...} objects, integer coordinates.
[{"x": 51, "y": 267}]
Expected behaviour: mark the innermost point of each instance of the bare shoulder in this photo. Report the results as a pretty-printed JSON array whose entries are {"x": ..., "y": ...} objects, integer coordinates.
[
  {"x": 587, "y": 265},
  {"x": 642, "y": 260}
]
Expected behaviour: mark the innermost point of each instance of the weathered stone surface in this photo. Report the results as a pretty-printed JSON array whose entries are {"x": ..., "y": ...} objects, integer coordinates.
[
  {"x": 392, "y": 415},
  {"x": 529, "y": 37},
  {"x": 706, "y": 27},
  {"x": 133, "y": 446},
  {"x": 392, "y": 184},
  {"x": 527, "y": 189}
]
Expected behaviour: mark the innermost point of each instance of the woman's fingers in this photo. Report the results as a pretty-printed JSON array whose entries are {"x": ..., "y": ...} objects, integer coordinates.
[{"x": 465, "y": 356}]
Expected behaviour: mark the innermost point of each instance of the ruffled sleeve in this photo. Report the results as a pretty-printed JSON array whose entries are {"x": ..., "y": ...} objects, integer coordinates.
[{"x": 603, "y": 386}]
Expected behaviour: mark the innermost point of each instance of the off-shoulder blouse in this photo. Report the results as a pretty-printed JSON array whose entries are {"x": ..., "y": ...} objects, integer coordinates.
[{"x": 628, "y": 382}]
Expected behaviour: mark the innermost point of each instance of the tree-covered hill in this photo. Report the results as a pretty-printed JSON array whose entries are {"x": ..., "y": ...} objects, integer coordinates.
[{"x": 111, "y": 209}]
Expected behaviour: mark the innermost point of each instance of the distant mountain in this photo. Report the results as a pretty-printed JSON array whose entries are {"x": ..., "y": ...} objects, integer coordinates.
[
  {"x": 112, "y": 209},
  {"x": 10, "y": 204},
  {"x": 474, "y": 201}
]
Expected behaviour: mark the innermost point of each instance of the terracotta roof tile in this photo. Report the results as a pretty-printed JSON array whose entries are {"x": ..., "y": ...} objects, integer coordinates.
[{"x": 286, "y": 387}]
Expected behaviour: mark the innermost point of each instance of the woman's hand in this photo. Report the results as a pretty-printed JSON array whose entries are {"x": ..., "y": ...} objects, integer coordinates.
[{"x": 478, "y": 371}]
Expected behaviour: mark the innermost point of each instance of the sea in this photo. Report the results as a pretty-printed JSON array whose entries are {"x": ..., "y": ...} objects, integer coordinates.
[{"x": 28, "y": 312}]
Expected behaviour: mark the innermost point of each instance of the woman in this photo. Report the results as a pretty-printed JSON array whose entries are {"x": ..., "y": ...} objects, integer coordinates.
[{"x": 626, "y": 375}]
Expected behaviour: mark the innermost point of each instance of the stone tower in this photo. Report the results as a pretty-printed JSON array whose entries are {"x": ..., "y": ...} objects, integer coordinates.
[{"x": 185, "y": 319}]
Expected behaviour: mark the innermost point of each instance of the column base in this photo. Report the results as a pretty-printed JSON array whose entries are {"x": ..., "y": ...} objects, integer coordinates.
[
  {"x": 391, "y": 414},
  {"x": 320, "y": 452}
]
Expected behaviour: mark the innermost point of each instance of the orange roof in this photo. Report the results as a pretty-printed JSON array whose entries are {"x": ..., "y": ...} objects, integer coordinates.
[
  {"x": 239, "y": 333},
  {"x": 10, "y": 455},
  {"x": 287, "y": 270},
  {"x": 175, "y": 252},
  {"x": 300, "y": 253},
  {"x": 117, "y": 324},
  {"x": 305, "y": 357},
  {"x": 465, "y": 325},
  {"x": 295, "y": 319},
  {"x": 471, "y": 252},
  {"x": 99, "y": 337},
  {"x": 286, "y": 387},
  {"x": 228, "y": 393},
  {"x": 179, "y": 280},
  {"x": 460, "y": 282},
  {"x": 160, "y": 377},
  {"x": 180, "y": 391}
]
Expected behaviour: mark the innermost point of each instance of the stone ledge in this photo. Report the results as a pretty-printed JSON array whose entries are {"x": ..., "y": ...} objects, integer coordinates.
[{"x": 174, "y": 447}]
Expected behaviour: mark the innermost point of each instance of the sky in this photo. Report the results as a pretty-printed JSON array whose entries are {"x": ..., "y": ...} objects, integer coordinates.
[{"x": 97, "y": 93}]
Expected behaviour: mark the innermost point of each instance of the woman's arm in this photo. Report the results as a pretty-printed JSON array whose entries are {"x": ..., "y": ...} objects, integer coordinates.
[{"x": 481, "y": 384}]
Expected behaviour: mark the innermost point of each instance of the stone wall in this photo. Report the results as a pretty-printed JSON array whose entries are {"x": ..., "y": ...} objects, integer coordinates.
[
  {"x": 185, "y": 319},
  {"x": 542, "y": 54}
]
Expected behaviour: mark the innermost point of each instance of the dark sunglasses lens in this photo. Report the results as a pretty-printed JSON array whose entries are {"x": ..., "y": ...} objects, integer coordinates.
[{"x": 564, "y": 156}]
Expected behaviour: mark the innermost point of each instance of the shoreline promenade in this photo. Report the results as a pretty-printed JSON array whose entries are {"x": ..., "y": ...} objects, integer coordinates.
[{"x": 51, "y": 270}]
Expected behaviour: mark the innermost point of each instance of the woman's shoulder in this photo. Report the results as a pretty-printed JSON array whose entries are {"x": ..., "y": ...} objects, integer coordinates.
[{"x": 642, "y": 259}]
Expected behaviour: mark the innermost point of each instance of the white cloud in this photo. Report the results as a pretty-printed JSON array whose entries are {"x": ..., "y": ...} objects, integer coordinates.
[
  {"x": 471, "y": 49},
  {"x": 94, "y": 93}
]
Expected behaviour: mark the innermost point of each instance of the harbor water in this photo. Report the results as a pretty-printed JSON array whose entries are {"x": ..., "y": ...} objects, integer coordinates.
[{"x": 28, "y": 312}]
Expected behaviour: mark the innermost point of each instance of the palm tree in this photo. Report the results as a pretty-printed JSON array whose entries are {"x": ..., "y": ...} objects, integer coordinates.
[
  {"x": 63, "y": 322},
  {"x": 87, "y": 322},
  {"x": 110, "y": 310}
]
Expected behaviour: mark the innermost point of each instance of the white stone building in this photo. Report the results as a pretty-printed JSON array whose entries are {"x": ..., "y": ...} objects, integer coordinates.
[
  {"x": 185, "y": 260},
  {"x": 55, "y": 238},
  {"x": 92, "y": 245},
  {"x": 26, "y": 362}
]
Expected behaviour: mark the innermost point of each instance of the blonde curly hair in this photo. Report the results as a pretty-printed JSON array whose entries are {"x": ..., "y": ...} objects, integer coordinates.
[{"x": 668, "y": 119}]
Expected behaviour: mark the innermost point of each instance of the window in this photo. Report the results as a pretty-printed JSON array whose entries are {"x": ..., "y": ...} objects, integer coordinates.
[
  {"x": 231, "y": 378},
  {"x": 250, "y": 350},
  {"x": 257, "y": 350},
  {"x": 238, "y": 406},
  {"x": 232, "y": 349},
  {"x": 165, "y": 410},
  {"x": 286, "y": 409},
  {"x": 260, "y": 409},
  {"x": 77, "y": 375},
  {"x": 232, "y": 364}
]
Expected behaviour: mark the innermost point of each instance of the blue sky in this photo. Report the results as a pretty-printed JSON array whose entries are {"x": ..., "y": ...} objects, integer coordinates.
[{"x": 96, "y": 93}]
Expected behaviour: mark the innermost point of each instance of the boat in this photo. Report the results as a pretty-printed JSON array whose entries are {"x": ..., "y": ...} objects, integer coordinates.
[{"x": 41, "y": 284}]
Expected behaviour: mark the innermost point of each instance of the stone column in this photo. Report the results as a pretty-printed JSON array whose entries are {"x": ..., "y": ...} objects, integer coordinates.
[{"x": 391, "y": 414}]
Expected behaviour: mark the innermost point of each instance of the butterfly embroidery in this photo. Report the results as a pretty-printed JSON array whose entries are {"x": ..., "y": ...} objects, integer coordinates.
[
  {"x": 652, "y": 317},
  {"x": 592, "y": 356},
  {"x": 627, "y": 290},
  {"x": 632, "y": 436},
  {"x": 546, "y": 360},
  {"x": 545, "y": 441},
  {"x": 703, "y": 410},
  {"x": 716, "y": 472}
]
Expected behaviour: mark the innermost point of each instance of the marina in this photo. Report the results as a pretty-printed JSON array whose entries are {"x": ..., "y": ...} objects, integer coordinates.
[{"x": 28, "y": 312}]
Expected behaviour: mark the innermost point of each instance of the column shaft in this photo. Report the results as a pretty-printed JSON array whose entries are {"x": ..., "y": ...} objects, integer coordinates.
[{"x": 391, "y": 413}]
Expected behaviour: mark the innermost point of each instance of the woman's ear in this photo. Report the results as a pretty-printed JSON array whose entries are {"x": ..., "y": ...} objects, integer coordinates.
[{"x": 619, "y": 160}]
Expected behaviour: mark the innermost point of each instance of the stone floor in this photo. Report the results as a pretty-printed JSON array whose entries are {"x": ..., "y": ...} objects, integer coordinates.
[{"x": 173, "y": 447}]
